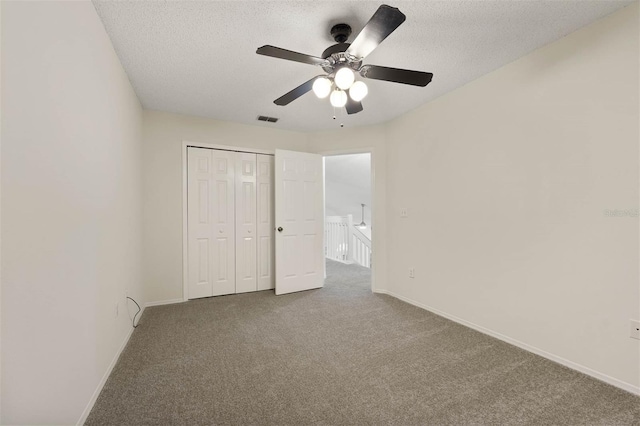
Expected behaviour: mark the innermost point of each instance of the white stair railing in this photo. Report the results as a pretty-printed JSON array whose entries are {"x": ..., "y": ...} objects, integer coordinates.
[
  {"x": 346, "y": 243},
  {"x": 360, "y": 247},
  {"x": 337, "y": 238}
]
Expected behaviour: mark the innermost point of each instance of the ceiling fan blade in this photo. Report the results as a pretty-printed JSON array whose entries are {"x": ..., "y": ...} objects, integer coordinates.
[
  {"x": 396, "y": 75},
  {"x": 353, "y": 107},
  {"x": 276, "y": 52},
  {"x": 291, "y": 96},
  {"x": 382, "y": 23}
]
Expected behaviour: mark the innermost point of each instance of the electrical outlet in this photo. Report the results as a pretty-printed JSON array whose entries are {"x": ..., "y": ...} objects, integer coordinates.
[
  {"x": 404, "y": 213},
  {"x": 412, "y": 272},
  {"x": 634, "y": 329}
]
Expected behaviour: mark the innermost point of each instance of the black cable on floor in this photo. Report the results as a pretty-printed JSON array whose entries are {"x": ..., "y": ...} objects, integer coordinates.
[{"x": 134, "y": 317}]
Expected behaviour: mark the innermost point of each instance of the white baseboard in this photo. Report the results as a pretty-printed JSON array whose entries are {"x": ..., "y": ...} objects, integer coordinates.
[
  {"x": 575, "y": 366},
  {"x": 106, "y": 375},
  {"x": 163, "y": 302}
]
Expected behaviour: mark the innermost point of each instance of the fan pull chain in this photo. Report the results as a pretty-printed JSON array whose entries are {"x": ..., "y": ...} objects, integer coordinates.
[{"x": 334, "y": 116}]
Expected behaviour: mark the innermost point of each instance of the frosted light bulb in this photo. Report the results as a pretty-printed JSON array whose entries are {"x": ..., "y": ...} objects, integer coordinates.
[
  {"x": 344, "y": 78},
  {"x": 322, "y": 87},
  {"x": 338, "y": 98},
  {"x": 358, "y": 91}
]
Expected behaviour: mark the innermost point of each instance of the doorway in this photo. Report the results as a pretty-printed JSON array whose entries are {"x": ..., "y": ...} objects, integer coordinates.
[{"x": 348, "y": 219}]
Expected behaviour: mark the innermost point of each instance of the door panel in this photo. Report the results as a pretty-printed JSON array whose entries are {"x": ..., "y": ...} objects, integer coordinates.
[
  {"x": 210, "y": 204},
  {"x": 299, "y": 212},
  {"x": 199, "y": 222},
  {"x": 203, "y": 261},
  {"x": 222, "y": 201},
  {"x": 223, "y": 257},
  {"x": 246, "y": 279},
  {"x": 203, "y": 201},
  {"x": 264, "y": 179},
  {"x": 223, "y": 260}
]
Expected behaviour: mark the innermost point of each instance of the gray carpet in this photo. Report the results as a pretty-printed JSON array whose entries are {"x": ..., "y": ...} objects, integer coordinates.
[{"x": 338, "y": 355}]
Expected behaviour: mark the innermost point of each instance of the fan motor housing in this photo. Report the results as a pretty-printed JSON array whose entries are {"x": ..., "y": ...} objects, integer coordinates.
[
  {"x": 336, "y": 48},
  {"x": 337, "y": 58},
  {"x": 341, "y": 32},
  {"x": 335, "y": 53}
]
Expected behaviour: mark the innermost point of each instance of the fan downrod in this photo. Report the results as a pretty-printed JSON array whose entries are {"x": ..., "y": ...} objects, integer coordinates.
[{"x": 341, "y": 32}]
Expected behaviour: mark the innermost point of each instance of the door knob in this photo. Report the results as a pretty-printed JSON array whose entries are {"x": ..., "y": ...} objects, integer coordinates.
[{"x": 279, "y": 228}]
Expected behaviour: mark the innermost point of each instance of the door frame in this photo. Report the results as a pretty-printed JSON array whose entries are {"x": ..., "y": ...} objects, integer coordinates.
[
  {"x": 185, "y": 237},
  {"x": 364, "y": 150}
]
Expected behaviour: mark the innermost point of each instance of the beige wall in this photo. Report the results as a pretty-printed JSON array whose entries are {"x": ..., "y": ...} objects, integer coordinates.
[
  {"x": 163, "y": 134},
  {"x": 506, "y": 181},
  {"x": 71, "y": 209}
]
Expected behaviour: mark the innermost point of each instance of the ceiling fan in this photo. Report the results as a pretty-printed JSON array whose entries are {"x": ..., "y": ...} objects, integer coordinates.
[{"x": 342, "y": 60}]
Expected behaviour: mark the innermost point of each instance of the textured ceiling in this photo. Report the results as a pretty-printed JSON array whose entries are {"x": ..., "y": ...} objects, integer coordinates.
[{"x": 198, "y": 58}]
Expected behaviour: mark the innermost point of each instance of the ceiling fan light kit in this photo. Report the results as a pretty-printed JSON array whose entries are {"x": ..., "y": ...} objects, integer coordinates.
[
  {"x": 344, "y": 78},
  {"x": 322, "y": 87},
  {"x": 343, "y": 60},
  {"x": 338, "y": 98},
  {"x": 358, "y": 91}
]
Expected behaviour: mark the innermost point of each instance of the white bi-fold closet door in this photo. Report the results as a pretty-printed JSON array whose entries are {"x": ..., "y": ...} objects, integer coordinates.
[{"x": 229, "y": 222}]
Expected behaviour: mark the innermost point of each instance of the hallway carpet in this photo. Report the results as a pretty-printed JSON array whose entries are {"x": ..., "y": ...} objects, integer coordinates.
[{"x": 339, "y": 355}]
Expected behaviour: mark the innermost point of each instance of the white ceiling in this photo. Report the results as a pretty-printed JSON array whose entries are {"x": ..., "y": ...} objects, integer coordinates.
[{"x": 198, "y": 58}]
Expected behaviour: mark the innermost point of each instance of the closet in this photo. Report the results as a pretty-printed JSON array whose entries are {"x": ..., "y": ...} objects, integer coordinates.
[{"x": 229, "y": 222}]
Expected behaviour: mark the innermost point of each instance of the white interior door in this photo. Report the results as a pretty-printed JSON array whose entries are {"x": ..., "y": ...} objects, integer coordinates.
[
  {"x": 299, "y": 213},
  {"x": 224, "y": 249},
  {"x": 199, "y": 222},
  {"x": 246, "y": 249},
  {"x": 266, "y": 277},
  {"x": 211, "y": 237}
]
